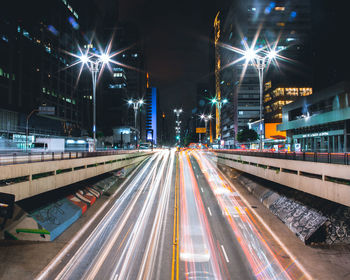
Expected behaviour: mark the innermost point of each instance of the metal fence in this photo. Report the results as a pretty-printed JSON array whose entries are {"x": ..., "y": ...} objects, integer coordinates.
[
  {"x": 22, "y": 157},
  {"x": 336, "y": 158}
]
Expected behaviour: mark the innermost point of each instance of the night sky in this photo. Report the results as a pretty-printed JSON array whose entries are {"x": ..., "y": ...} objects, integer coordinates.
[{"x": 176, "y": 35}]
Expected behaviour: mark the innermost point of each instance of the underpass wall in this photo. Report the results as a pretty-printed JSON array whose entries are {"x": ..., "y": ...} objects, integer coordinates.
[
  {"x": 50, "y": 221},
  {"x": 310, "y": 218}
]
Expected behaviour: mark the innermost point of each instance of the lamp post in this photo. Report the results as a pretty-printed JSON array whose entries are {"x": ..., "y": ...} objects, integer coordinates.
[
  {"x": 27, "y": 126},
  {"x": 260, "y": 62},
  {"x": 178, "y": 122},
  {"x": 206, "y": 118},
  {"x": 136, "y": 104},
  {"x": 94, "y": 62}
]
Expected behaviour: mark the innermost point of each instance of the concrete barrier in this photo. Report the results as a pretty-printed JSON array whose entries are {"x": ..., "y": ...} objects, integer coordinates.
[
  {"x": 30, "y": 179},
  {"x": 328, "y": 181},
  {"x": 310, "y": 218}
]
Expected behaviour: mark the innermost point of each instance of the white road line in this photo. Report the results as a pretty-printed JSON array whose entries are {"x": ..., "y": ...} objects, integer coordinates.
[
  {"x": 209, "y": 211},
  {"x": 225, "y": 255},
  {"x": 202, "y": 190}
]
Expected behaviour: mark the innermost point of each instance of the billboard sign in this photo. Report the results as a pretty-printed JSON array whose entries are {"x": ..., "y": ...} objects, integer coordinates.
[
  {"x": 47, "y": 110},
  {"x": 201, "y": 130}
]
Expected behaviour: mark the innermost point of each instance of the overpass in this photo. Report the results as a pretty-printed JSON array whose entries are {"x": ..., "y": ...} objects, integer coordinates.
[
  {"x": 324, "y": 175},
  {"x": 29, "y": 175}
]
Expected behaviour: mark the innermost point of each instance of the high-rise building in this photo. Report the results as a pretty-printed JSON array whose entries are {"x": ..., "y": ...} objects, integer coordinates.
[
  {"x": 286, "y": 23},
  {"x": 152, "y": 112},
  {"x": 34, "y": 67},
  {"x": 125, "y": 81}
]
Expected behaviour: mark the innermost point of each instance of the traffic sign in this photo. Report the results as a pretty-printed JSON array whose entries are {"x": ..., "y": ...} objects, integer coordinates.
[{"x": 201, "y": 130}]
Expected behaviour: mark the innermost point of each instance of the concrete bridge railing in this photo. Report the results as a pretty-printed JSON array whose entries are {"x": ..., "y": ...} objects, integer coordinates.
[
  {"x": 328, "y": 181},
  {"x": 28, "y": 179}
]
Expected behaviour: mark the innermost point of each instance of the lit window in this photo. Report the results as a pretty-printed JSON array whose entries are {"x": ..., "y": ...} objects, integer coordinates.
[
  {"x": 280, "y": 24},
  {"x": 4, "y": 38},
  {"x": 280, "y": 9}
]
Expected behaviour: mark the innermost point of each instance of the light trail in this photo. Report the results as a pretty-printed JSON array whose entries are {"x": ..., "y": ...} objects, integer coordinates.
[
  {"x": 129, "y": 238},
  {"x": 197, "y": 247},
  {"x": 262, "y": 260}
]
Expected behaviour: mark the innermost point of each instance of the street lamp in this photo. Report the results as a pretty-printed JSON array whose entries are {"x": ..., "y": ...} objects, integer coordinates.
[
  {"x": 178, "y": 122},
  {"x": 177, "y": 112},
  {"x": 94, "y": 62},
  {"x": 206, "y": 118},
  {"x": 136, "y": 105},
  {"x": 260, "y": 61}
]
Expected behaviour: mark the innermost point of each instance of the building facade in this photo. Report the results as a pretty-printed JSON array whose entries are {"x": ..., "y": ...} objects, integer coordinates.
[
  {"x": 34, "y": 68},
  {"x": 152, "y": 114},
  {"x": 259, "y": 23},
  {"x": 275, "y": 97},
  {"x": 319, "y": 122}
]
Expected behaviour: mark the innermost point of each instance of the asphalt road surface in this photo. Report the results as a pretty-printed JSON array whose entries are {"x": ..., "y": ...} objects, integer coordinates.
[{"x": 176, "y": 218}]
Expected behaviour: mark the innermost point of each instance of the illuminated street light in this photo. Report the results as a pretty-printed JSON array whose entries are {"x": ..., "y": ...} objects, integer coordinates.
[
  {"x": 136, "y": 105},
  {"x": 260, "y": 61},
  {"x": 206, "y": 118},
  {"x": 178, "y": 122},
  {"x": 94, "y": 62}
]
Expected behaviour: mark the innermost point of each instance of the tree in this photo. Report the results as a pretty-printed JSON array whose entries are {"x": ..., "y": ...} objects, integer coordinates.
[{"x": 247, "y": 135}]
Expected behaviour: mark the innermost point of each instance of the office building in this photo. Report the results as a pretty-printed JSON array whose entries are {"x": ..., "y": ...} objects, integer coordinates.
[
  {"x": 275, "y": 97},
  {"x": 285, "y": 22},
  {"x": 319, "y": 122},
  {"x": 152, "y": 112},
  {"x": 34, "y": 68}
]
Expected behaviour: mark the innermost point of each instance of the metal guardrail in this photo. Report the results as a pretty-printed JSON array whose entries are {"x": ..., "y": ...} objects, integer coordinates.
[
  {"x": 336, "y": 158},
  {"x": 22, "y": 157}
]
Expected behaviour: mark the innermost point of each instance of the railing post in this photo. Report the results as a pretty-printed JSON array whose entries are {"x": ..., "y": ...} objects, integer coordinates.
[
  {"x": 303, "y": 156},
  {"x": 70, "y": 155},
  {"x": 345, "y": 159},
  {"x": 315, "y": 156},
  {"x": 61, "y": 155},
  {"x": 14, "y": 158},
  {"x": 42, "y": 156},
  {"x": 29, "y": 157},
  {"x": 329, "y": 157},
  {"x": 53, "y": 156}
]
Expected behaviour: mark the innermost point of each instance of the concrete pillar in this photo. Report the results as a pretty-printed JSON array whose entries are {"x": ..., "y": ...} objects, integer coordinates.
[
  {"x": 339, "y": 144},
  {"x": 315, "y": 144},
  {"x": 328, "y": 144},
  {"x": 333, "y": 143}
]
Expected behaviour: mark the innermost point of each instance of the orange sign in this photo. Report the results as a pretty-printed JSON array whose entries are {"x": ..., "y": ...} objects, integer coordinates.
[{"x": 201, "y": 130}]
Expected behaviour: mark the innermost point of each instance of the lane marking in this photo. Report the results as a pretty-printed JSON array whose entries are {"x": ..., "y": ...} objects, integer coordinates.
[
  {"x": 202, "y": 190},
  {"x": 175, "y": 257},
  {"x": 209, "y": 211},
  {"x": 225, "y": 255}
]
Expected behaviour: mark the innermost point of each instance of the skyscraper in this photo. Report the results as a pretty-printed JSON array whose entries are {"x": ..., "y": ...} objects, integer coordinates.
[
  {"x": 34, "y": 67},
  {"x": 152, "y": 111},
  {"x": 286, "y": 23}
]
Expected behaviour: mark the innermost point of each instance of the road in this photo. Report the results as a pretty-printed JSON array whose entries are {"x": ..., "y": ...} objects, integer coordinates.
[{"x": 176, "y": 218}]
